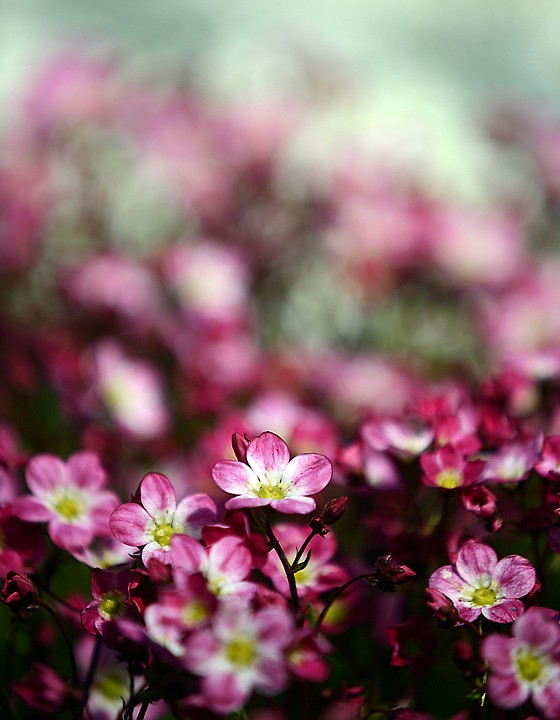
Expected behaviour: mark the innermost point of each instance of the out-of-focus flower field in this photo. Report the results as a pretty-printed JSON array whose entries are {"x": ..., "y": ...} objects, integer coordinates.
[{"x": 280, "y": 401}]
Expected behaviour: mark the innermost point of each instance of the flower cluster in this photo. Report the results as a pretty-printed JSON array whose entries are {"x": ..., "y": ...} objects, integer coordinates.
[{"x": 207, "y": 507}]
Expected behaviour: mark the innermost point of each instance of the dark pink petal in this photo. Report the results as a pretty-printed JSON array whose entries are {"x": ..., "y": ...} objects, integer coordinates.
[
  {"x": 154, "y": 550},
  {"x": 272, "y": 677},
  {"x": 231, "y": 558},
  {"x": 244, "y": 501},
  {"x": 473, "y": 472},
  {"x": 201, "y": 650},
  {"x": 505, "y": 691},
  {"x": 328, "y": 577},
  {"x": 128, "y": 524},
  {"x": 195, "y": 512},
  {"x": 86, "y": 471},
  {"x": 497, "y": 649},
  {"x": 157, "y": 494},
  {"x": 233, "y": 477},
  {"x": 448, "y": 582},
  {"x": 89, "y": 617},
  {"x": 275, "y": 627},
  {"x": 308, "y": 473},
  {"x": 536, "y": 627},
  {"x": 515, "y": 575},
  {"x": 45, "y": 473},
  {"x": 68, "y": 536},
  {"x": 225, "y": 692},
  {"x": 267, "y": 453},
  {"x": 475, "y": 559},
  {"x": 30, "y": 509},
  {"x": 296, "y": 505},
  {"x": 466, "y": 612},
  {"x": 547, "y": 698},
  {"x": 187, "y": 553},
  {"x": 504, "y": 612}
]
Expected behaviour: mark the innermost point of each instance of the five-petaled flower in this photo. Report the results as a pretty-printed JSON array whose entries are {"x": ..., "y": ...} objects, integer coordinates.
[
  {"x": 271, "y": 478},
  {"x": 527, "y": 664},
  {"x": 478, "y": 583},
  {"x": 152, "y": 523},
  {"x": 69, "y": 496}
]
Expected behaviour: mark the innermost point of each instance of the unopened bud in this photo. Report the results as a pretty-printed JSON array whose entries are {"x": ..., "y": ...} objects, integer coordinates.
[
  {"x": 442, "y": 607},
  {"x": 20, "y": 593},
  {"x": 334, "y": 510},
  {"x": 389, "y": 573},
  {"x": 240, "y": 443},
  {"x": 479, "y": 500}
]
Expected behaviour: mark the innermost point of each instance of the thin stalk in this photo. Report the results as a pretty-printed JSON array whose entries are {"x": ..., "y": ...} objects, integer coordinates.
[
  {"x": 49, "y": 608},
  {"x": 336, "y": 594},
  {"x": 294, "y": 597}
]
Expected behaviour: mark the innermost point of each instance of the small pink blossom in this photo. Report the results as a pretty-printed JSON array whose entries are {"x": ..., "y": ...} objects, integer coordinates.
[
  {"x": 404, "y": 438},
  {"x": 448, "y": 468},
  {"x": 526, "y": 665},
  {"x": 549, "y": 464},
  {"x": 271, "y": 478},
  {"x": 70, "y": 497},
  {"x": 511, "y": 463},
  {"x": 479, "y": 583},
  {"x": 157, "y": 518},
  {"x": 240, "y": 652}
]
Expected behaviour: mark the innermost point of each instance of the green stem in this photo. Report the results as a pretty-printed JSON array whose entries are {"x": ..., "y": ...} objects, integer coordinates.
[{"x": 294, "y": 597}]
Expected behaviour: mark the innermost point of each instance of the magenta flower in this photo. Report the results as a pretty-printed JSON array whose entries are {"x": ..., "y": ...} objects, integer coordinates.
[
  {"x": 242, "y": 650},
  {"x": 526, "y": 665},
  {"x": 157, "y": 518},
  {"x": 70, "y": 497},
  {"x": 448, "y": 468},
  {"x": 271, "y": 478},
  {"x": 478, "y": 583}
]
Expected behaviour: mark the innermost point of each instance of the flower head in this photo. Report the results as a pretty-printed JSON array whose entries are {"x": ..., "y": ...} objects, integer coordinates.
[
  {"x": 157, "y": 518},
  {"x": 478, "y": 583},
  {"x": 527, "y": 664},
  {"x": 271, "y": 478}
]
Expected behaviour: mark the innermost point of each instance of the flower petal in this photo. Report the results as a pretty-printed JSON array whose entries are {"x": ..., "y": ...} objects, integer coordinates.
[
  {"x": 497, "y": 649},
  {"x": 45, "y": 473},
  {"x": 505, "y": 612},
  {"x": 232, "y": 476},
  {"x": 225, "y": 692},
  {"x": 448, "y": 582},
  {"x": 129, "y": 523},
  {"x": 187, "y": 553},
  {"x": 296, "y": 505},
  {"x": 308, "y": 473},
  {"x": 536, "y": 627},
  {"x": 244, "y": 501},
  {"x": 268, "y": 453},
  {"x": 195, "y": 512},
  {"x": 506, "y": 692},
  {"x": 157, "y": 494},
  {"x": 31, "y": 509},
  {"x": 86, "y": 471},
  {"x": 475, "y": 560},
  {"x": 68, "y": 536},
  {"x": 515, "y": 575}
]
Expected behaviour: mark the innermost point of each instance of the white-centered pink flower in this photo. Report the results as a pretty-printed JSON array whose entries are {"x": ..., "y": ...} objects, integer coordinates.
[
  {"x": 271, "y": 478},
  {"x": 240, "y": 652},
  {"x": 152, "y": 523},
  {"x": 70, "y": 496},
  {"x": 479, "y": 583},
  {"x": 526, "y": 665}
]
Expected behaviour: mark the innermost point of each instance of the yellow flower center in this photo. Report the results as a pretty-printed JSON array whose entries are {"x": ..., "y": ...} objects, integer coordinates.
[
  {"x": 240, "y": 652},
  {"x": 163, "y": 533},
  {"x": 484, "y": 597},
  {"x": 194, "y": 613},
  {"x": 274, "y": 492},
  {"x": 68, "y": 505},
  {"x": 111, "y": 605},
  {"x": 449, "y": 479},
  {"x": 529, "y": 664}
]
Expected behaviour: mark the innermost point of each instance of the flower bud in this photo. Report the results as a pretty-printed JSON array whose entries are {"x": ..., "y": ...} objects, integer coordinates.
[
  {"x": 20, "y": 593},
  {"x": 479, "y": 500},
  {"x": 240, "y": 443},
  {"x": 442, "y": 607},
  {"x": 334, "y": 510},
  {"x": 388, "y": 573}
]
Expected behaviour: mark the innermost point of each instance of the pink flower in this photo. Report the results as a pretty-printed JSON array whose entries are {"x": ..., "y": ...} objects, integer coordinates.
[
  {"x": 478, "y": 583},
  {"x": 549, "y": 464},
  {"x": 271, "y": 478},
  {"x": 240, "y": 651},
  {"x": 448, "y": 468},
  {"x": 526, "y": 665},
  {"x": 158, "y": 518},
  {"x": 69, "y": 496}
]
